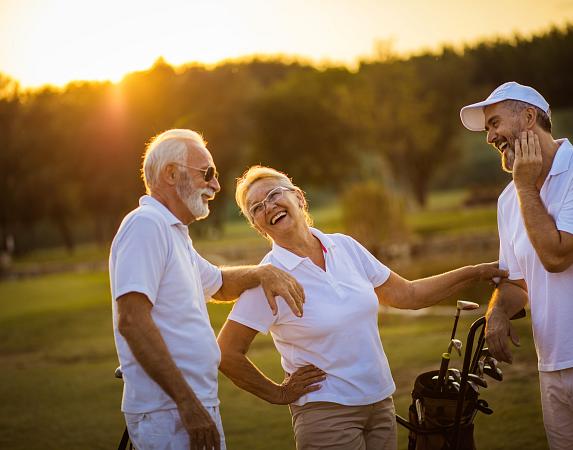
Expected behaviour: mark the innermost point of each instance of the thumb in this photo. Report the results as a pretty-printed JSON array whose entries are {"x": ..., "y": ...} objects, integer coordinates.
[{"x": 514, "y": 337}]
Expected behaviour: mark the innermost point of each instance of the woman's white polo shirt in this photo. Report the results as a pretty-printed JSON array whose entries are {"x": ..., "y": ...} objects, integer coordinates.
[{"x": 339, "y": 330}]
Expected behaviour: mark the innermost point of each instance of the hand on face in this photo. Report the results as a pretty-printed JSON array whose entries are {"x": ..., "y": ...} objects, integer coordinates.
[{"x": 528, "y": 161}]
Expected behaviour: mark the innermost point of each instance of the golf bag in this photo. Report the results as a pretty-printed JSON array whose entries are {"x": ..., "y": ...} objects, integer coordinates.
[
  {"x": 443, "y": 419},
  {"x": 433, "y": 414}
]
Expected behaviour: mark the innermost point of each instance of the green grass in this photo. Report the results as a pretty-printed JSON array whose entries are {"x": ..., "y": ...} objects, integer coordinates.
[{"x": 57, "y": 388}]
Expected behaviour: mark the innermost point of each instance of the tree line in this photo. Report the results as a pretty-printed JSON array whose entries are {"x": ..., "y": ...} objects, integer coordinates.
[{"x": 71, "y": 156}]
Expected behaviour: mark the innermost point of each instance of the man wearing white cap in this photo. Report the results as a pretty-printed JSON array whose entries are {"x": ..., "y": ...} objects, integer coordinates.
[{"x": 535, "y": 222}]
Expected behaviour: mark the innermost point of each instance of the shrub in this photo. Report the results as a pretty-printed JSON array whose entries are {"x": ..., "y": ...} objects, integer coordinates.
[{"x": 375, "y": 218}]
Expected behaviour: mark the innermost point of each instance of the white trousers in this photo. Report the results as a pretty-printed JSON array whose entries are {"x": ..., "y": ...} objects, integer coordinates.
[
  {"x": 163, "y": 430},
  {"x": 557, "y": 405}
]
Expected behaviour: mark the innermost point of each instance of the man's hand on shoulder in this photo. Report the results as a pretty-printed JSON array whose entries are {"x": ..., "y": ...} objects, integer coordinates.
[{"x": 278, "y": 283}]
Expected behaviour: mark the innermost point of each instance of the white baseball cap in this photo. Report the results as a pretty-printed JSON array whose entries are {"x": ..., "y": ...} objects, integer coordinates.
[{"x": 473, "y": 116}]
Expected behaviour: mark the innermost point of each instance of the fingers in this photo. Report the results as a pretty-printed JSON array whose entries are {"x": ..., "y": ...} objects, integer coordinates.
[
  {"x": 498, "y": 348},
  {"x": 205, "y": 439},
  {"x": 517, "y": 147},
  {"x": 271, "y": 300},
  {"x": 313, "y": 374},
  {"x": 514, "y": 337}
]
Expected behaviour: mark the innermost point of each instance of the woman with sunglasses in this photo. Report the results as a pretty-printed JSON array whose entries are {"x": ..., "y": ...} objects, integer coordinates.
[{"x": 338, "y": 382}]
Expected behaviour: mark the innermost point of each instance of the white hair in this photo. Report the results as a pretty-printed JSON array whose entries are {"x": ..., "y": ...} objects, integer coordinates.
[{"x": 168, "y": 147}]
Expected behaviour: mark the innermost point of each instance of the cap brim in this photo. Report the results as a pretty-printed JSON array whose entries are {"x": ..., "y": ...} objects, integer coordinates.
[{"x": 473, "y": 117}]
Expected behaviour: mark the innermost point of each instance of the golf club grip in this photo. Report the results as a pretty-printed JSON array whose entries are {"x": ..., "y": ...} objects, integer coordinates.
[{"x": 443, "y": 370}]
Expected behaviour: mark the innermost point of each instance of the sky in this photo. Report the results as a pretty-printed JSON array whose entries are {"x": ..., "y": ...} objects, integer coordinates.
[{"x": 56, "y": 41}]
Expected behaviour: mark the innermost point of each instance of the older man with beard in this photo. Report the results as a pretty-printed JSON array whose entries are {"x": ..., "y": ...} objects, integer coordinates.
[
  {"x": 166, "y": 346},
  {"x": 535, "y": 221}
]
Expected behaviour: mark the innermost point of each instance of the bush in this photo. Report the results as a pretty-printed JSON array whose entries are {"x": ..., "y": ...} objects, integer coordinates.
[{"x": 375, "y": 218}]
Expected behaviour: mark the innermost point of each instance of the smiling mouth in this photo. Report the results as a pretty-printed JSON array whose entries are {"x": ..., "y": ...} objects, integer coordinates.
[
  {"x": 502, "y": 147},
  {"x": 278, "y": 216}
]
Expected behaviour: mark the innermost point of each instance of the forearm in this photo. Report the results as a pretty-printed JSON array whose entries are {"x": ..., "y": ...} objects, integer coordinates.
[
  {"x": 509, "y": 298},
  {"x": 243, "y": 373},
  {"x": 236, "y": 280},
  {"x": 150, "y": 350},
  {"x": 542, "y": 230},
  {"x": 429, "y": 291}
]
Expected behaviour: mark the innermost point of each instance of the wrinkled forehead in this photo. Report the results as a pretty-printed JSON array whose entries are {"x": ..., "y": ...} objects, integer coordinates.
[{"x": 260, "y": 188}]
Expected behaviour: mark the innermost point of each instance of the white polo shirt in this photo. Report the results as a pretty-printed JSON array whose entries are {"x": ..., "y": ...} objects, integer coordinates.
[
  {"x": 152, "y": 254},
  {"x": 339, "y": 330},
  {"x": 550, "y": 294}
]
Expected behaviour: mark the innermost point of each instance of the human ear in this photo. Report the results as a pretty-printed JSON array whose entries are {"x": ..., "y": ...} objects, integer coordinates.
[
  {"x": 169, "y": 173},
  {"x": 530, "y": 117}
]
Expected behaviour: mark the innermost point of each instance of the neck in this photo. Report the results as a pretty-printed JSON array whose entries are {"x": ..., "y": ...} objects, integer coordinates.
[
  {"x": 549, "y": 147},
  {"x": 299, "y": 241},
  {"x": 174, "y": 204}
]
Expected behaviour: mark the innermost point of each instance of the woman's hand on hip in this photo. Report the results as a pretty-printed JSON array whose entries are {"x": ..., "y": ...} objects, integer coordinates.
[{"x": 299, "y": 383}]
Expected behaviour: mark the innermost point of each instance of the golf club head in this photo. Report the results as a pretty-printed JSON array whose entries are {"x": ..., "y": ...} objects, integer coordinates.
[
  {"x": 480, "y": 367},
  {"x": 485, "y": 352},
  {"x": 455, "y": 373},
  {"x": 490, "y": 361},
  {"x": 464, "y": 305},
  {"x": 473, "y": 386},
  {"x": 457, "y": 345},
  {"x": 455, "y": 386},
  {"x": 477, "y": 380},
  {"x": 494, "y": 373}
]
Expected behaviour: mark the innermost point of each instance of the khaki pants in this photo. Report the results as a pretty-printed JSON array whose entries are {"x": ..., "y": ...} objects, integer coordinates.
[
  {"x": 163, "y": 430},
  {"x": 325, "y": 425},
  {"x": 557, "y": 404}
]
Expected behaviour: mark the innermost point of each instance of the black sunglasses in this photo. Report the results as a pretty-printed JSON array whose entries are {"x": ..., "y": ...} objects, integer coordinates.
[{"x": 208, "y": 174}]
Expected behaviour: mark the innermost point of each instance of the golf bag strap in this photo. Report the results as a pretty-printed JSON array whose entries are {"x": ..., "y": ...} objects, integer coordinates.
[{"x": 124, "y": 439}]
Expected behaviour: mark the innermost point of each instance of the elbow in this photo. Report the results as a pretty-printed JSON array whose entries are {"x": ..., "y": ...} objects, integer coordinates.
[
  {"x": 555, "y": 264},
  {"x": 229, "y": 355},
  {"x": 125, "y": 325}
]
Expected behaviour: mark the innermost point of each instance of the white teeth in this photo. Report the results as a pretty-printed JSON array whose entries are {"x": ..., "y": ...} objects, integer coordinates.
[{"x": 277, "y": 217}]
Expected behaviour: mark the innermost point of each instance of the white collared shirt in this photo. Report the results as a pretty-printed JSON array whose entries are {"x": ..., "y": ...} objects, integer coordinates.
[
  {"x": 339, "y": 330},
  {"x": 550, "y": 294},
  {"x": 152, "y": 254}
]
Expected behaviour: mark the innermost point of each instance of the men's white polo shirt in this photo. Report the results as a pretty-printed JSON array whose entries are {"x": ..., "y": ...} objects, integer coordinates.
[
  {"x": 339, "y": 330},
  {"x": 152, "y": 254},
  {"x": 550, "y": 294}
]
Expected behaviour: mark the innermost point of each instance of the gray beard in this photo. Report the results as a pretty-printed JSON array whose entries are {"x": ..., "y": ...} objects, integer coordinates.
[{"x": 193, "y": 197}]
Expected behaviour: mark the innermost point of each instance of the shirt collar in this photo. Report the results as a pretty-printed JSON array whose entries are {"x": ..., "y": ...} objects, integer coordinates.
[
  {"x": 160, "y": 208},
  {"x": 562, "y": 159},
  {"x": 289, "y": 260}
]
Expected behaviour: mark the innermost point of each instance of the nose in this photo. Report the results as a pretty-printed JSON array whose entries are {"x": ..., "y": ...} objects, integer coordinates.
[
  {"x": 491, "y": 135},
  {"x": 214, "y": 184}
]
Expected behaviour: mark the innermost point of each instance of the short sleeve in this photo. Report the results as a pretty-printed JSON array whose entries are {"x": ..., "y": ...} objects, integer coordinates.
[
  {"x": 211, "y": 277},
  {"x": 253, "y": 311},
  {"x": 564, "y": 220},
  {"x": 376, "y": 272},
  {"x": 139, "y": 258},
  {"x": 507, "y": 259}
]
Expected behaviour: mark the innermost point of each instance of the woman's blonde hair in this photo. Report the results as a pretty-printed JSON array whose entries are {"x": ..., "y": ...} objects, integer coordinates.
[{"x": 256, "y": 173}]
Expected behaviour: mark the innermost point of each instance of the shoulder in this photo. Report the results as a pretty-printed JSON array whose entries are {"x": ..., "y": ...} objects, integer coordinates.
[{"x": 144, "y": 222}]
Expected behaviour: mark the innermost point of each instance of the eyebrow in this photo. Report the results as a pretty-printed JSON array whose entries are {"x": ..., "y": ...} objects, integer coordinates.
[
  {"x": 491, "y": 119},
  {"x": 259, "y": 201}
]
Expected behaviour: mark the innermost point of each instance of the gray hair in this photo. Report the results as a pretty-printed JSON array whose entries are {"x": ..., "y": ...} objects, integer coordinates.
[
  {"x": 168, "y": 147},
  {"x": 543, "y": 118}
]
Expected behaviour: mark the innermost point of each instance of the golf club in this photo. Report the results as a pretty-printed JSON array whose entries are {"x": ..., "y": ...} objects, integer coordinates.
[{"x": 461, "y": 305}]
